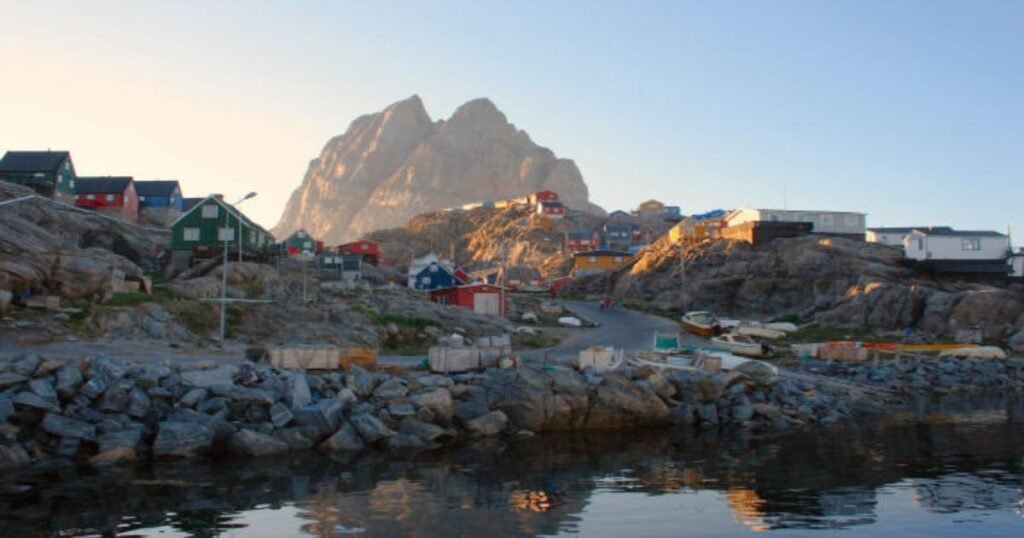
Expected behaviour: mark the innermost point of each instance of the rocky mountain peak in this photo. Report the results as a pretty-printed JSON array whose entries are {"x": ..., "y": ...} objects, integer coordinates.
[{"x": 398, "y": 163}]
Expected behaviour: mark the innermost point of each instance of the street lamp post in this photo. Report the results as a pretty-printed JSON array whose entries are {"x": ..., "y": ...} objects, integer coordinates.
[{"x": 224, "y": 268}]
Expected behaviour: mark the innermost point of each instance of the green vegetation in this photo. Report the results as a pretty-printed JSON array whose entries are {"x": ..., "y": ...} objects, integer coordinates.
[
  {"x": 538, "y": 340},
  {"x": 817, "y": 333}
]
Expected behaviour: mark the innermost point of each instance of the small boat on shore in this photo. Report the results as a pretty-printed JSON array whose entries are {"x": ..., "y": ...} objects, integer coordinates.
[
  {"x": 701, "y": 323},
  {"x": 742, "y": 345},
  {"x": 758, "y": 331}
]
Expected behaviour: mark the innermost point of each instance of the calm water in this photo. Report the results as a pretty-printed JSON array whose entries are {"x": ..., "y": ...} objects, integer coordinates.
[{"x": 933, "y": 471}]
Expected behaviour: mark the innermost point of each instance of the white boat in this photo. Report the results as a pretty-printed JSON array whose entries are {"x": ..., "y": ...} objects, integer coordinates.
[
  {"x": 783, "y": 326},
  {"x": 702, "y": 323},
  {"x": 742, "y": 345},
  {"x": 758, "y": 331}
]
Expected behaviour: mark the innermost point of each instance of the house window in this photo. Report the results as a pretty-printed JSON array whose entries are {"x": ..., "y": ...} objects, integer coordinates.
[
  {"x": 142, "y": 198},
  {"x": 190, "y": 234},
  {"x": 110, "y": 197},
  {"x": 433, "y": 269},
  {"x": 210, "y": 211},
  {"x": 90, "y": 196},
  {"x": 67, "y": 165},
  {"x": 618, "y": 259},
  {"x": 920, "y": 243},
  {"x": 365, "y": 246},
  {"x": 225, "y": 234},
  {"x": 593, "y": 259},
  {"x": 970, "y": 244},
  {"x": 252, "y": 236},
  {"x": 425, "y": 281},
  {"x": 442, "y": 299},
  {"x": 307, "y": 244}
]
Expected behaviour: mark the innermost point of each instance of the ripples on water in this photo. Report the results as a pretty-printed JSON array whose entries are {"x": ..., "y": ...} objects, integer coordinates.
[{"x": 936, "y": 470}]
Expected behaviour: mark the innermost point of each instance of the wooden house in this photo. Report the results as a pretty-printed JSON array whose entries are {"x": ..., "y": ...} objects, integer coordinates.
[
  {"x": 348, "y": 266},
  {"x": 542, "y": 196},
  {"x": 299, "y": 243},
  {"x": 620, "y": 234},
  {"x": 202, "y": 231},
  {"x": 551, "y": 209},
  {"x": 596, "y": 261},
  {"x": 160, "y": 201},
  {"x": 582, "y": 240},
  {"x": 49, "y": 173},
  {"x": 483, "y": 299},
  {"x": 112, "y": 196},
  {"x": 651, "y": 208},
  {"x": 961, "y": 251},
  {"x": 434, "y": 275},
  {"x": 835, "y": 223},
  {"x": 369, "y": 250}
]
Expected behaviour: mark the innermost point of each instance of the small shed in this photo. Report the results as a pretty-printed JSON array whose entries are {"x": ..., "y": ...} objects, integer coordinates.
[{"x": 484, "y": 299}]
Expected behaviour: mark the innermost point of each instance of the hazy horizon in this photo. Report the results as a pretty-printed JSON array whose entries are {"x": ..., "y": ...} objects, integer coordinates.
[{"x": 910, "y": 111}]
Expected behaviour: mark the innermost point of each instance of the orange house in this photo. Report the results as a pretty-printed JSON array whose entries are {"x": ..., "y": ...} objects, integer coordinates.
[{"x": 595, "y": 261}]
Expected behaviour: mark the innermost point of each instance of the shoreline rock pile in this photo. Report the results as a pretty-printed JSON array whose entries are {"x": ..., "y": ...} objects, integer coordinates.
[
  {"x": 103, "y": 411},
  {"x": 941, "y": 375}
]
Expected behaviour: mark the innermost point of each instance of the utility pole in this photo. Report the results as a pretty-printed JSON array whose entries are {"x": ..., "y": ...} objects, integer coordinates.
[{"x": 224, "y": 267}]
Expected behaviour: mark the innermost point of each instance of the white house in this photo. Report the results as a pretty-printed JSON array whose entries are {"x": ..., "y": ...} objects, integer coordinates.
[
  {"x": 1017, "y": 264},
  {"x": 947, "y": 244},
  {"x": 824, "y": 222},
  {"x": 894, "y": 236}
]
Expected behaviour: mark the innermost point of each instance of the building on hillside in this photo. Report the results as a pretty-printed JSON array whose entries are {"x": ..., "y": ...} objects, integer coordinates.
[
  {"x": 761, "y": 232},
  {"x": 596, "y": 261},
  {"x": 485, "y": 299},
  {"x": 836, "y": 223},
  {"x": 434, "y": 275},
  {"x": 49, "y": 173},
  {"x": 620, "y": 234},
  {"x": 551, "y": 209},
  {"x": 348, "y": 266},
  {"x": 673, "y": 211},
  {"x": 112, "y": 196},
  {"x": 557, "y": 284},
  {"x": 369, "y": 250},
  {"x": 1017, "y": 264},
  {"x": 960, "y": 251},
  {"x": 581, "y": 240},
  {"x": 542, "y": 196},
  {"x": 619, "y": 214},
  {"x": 300, "y": 244},
  {"x": 188, "y": 203},
  {"x": 202, "y": 231},
  {"x": 509, "y": 277},
  {"x": 894, "y": 236},
  {"x": 160, "y": 201},
  {"x": 650, "y": 208}
]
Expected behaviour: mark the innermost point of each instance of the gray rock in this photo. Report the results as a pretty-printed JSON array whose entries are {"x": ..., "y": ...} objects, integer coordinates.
[
  {"x": 361, "y": 381},
  {"x": 430, "y": 433},
  {"x": 13, "y": 457},
  {"x": 742, "y": 412},
  {"x": 193, "y": 397},
  {"x": 280, "y": 415},
  {"x": 466, "y": 410},
  {"x": 114, "y": 400},
  {"x": 401, "y": 408},
  {"x": 110, "y": 368},
  {"x": 44, "y": 388},
  {"x": 222, "y": 375},
  {"x": 34, "y": 401},
  {"x": 138, "y": 403},
  {"x": 250, "y": 443},
  {"x": 213, "y": 406},
  {"x": 391, "y": 389},
  {"x": 404, "y": 442},
  {"x": 131, "y": 438},
  {"x": 96, "y": 385},
  {"x": 68, "y": 447},
  {"x": 488, "y": 425},
  {"x": 345, "y": 439},
  {"x": 62, "y": 426},
  {"x": 222, "y": 430},
  {"x": 154, "y": 328},
  {"x": 438, "y": 401},
  {"x": 682, "y": 416},
  {"x": 152, "y": 374},
  {"x": 370, "y": 428},
  {"x": 708, "y": 413},
  {"x": 298, "y": 438},
  {"x": 11, "y": 379},
  {"x": 182, "y": 439},
  {"x": 26, "y": 365},
  {"x": 323, "y": 415},
  {"x": 6, "y": 409},
  {"x": 297, "y": 391},
  {"x": 69, "y": 378}
]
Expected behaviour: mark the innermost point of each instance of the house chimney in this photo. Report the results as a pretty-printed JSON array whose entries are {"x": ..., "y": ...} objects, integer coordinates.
[{"x": 219, "y": 197}]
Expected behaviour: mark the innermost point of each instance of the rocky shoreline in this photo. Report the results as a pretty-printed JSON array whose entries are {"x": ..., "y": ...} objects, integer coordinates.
[{"x": 107, "y": 412}]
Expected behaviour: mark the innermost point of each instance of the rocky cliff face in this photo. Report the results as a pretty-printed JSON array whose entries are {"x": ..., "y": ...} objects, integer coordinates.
[
  {"x": 837, "y": 282},
  {"x": 393, "y": 165}
]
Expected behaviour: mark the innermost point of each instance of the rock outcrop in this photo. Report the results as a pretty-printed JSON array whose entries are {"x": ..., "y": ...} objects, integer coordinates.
[
  {"x": 395, "y": 164},
  {"x": 837, "y": 282}
]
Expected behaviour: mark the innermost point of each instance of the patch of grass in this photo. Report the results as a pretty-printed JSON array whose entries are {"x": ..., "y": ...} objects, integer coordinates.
[
  {"x": 822, "y": 334},
  {"x": 540, "y": 339}
]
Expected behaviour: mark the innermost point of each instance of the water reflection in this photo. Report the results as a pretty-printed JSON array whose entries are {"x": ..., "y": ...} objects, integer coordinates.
[{"x": 553, "y": 485}]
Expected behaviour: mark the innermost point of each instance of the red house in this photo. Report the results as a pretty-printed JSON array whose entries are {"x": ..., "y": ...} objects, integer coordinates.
[
  {"x": 542, "y": 196},
  {"x": 480, "y": 298},
  {"x": 369, "y": 250},
  {"x": 114, "y": 196},
  {"x": 553, "y": 210}
]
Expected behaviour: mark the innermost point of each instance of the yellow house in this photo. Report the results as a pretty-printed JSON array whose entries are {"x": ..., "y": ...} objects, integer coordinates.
[
  {"x": 651, "y": 207},
  {"x": 595, "y": 261}
]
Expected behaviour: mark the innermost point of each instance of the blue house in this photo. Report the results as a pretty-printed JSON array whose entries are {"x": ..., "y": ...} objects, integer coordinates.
[
  {"x": 620, "y": 235},
  {"x": 434, "y": 276},
  {"x": 160, "y": 201}
]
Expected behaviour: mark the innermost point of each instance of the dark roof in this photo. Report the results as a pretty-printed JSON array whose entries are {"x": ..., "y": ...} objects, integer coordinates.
[
  {"x": 32, "y": 161},
  {"x": 963, "y": 233},
  {"x": 101, "y": 185},
  {"x": 909, "y": 229},
  {"x": 158, "y": 187},
  {"x": 189, "y": 203}
]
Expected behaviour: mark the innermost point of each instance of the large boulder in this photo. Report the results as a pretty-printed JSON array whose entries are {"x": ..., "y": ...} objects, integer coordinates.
[
  {"x": 345, "y": 439},
  {"x": 182, "y": 439},
  {"x": 488, "y": 425},
  {"x": 619, "y": 403},
  {"x": 250, "y": 443}
]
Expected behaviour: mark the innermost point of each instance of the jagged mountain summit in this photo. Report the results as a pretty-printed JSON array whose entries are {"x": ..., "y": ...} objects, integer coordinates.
[{"x": 393, "y": 165}]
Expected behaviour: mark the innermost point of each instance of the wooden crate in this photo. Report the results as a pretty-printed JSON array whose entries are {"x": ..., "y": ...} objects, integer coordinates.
[{"x": 304, "y": 357}]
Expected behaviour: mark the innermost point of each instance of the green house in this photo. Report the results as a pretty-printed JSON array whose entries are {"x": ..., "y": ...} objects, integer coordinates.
[
  {"x": 50, "y": 173},
  {"x": 211, "y": 222},
  {"x": 300, "y": 244}
]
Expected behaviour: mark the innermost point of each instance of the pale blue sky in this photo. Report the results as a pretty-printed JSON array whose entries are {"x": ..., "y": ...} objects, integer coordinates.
[{"x": 909, "y": 111}]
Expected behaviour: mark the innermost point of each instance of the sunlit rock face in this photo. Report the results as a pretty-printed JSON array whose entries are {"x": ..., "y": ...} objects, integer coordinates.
[{"x": 395, "y": 164}]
